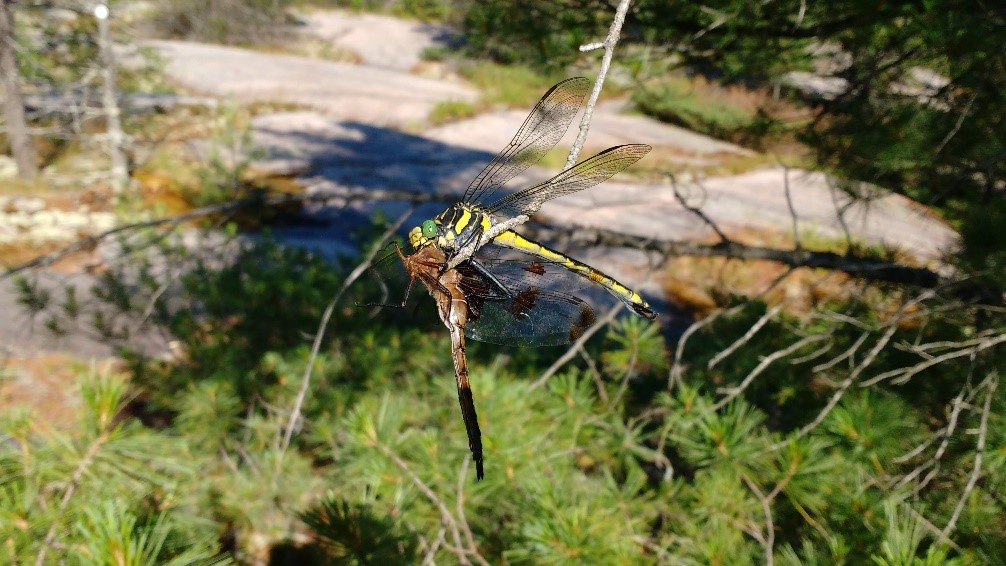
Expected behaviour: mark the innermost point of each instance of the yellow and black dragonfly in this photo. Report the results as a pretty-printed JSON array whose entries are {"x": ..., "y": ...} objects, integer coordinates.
[{"x": 494, "y": 285}]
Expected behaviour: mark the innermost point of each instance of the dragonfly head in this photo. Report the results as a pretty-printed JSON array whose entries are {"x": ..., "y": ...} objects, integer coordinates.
[{"x": 422, "y": 234}]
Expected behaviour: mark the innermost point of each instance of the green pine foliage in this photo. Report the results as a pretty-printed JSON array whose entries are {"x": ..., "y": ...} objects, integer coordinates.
[
  {"x": 602, "y": 464},
  {"x": 110, "y": 491}
]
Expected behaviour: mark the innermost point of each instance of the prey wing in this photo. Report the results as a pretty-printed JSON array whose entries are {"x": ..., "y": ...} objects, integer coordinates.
[{"x": 529, "y": 301}]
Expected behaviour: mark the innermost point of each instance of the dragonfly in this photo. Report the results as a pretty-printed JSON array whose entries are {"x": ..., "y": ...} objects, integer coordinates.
[{"x": 494, "y": 285}]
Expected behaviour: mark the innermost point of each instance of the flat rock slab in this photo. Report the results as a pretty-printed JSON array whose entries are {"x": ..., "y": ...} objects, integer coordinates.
[
  {"x": 349, "y": 154},
  {"x": 756, "y": 201},
  {"x": 379, "y": 41},
  {"x": 351, "y": 92},
  {"x": 608, "y": 126}
]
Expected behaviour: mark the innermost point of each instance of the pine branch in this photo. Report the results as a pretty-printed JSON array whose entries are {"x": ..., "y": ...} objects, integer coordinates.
[{"x": 75, "y": 478}]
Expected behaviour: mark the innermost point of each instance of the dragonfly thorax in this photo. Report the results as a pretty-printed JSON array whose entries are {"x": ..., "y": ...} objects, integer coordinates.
[{"x": 460, "y": 225}]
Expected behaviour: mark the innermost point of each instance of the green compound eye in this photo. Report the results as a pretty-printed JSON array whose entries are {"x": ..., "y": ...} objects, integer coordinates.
[{"x": 429, "y": 229}]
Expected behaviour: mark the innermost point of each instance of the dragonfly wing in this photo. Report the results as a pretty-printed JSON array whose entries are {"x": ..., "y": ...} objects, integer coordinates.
[
  {"x": 541, "y": 306},
  {"x": 584, "y": 174},
  {"x": 543, "y": 128}
]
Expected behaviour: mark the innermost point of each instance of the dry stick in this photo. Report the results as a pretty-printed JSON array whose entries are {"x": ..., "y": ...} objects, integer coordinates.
[
  {"x": 958, "y": 404},
  {"x": 446, "y": 518},
  {"x": 433, "y": 548},
  {"x": 78, "y": 474},
  {"x": 769, "y": 539},
  {"x": 933, "y": 529},
  {"x": 946, "y": 432},
  {"x": 557, "y": 365},
  {"x": 697, "y": 211},
  {"x": 849, "y": 354},
  {"x": 677, "y": 368},
  {"x": 792, "y": 210},
  {"x": 992, "y": 381},
  {"x": 721, "y": 355},
  {"x": 462, "y": 519},
  {"x": 813, "y": 355},
  {"x": 924, "y": 349},
  {"x": 609, "y": 50},
  {"x": 840, "y": 214},
  {"x": 733, "y": 392},
  {"x": 842, "y": 388},
  {"x": 595, "y": 375},
  {"x": 907, "y": 373},
  {"x": 320, "y": 334},
  {"x": 629, "y": 368},
  {"x": 892, "y": 327}
]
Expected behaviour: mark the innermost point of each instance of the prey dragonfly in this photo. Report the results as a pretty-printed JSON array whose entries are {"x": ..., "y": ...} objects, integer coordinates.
[{"x": 493, "y": 285}]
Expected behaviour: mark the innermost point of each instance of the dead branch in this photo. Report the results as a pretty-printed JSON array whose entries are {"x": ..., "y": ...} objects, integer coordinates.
[
  {"x": 992, "y": 381},
  {"x": 903, "y": 375},
  {"x": 462, "y": 519},
  {"x": 305, "y": 383},
  {"x": 446, "y": 519},
  {"x": 723, "y": 354},
  {"x": 881, "y": 343},
  {"x": 576, "y": 346},
  {"x": 768, "y": 539},
  {"x": 697, "y": 210},
  {"x": 609, "y": 51},
  {"x": 732, "y": 392},
  {"x": 869, "y": 269}
]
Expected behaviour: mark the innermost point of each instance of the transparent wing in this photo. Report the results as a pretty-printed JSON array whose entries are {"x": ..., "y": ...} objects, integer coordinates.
[
  {"x": 388, "y": 273},
  {"x": 584, "y": 174},
  {"x": 541, "y": 304},
  {"x": 543, "y": 128}
]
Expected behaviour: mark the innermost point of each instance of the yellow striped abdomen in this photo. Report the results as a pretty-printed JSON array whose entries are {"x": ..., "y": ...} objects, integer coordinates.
[{"x": 631, "y": 298}]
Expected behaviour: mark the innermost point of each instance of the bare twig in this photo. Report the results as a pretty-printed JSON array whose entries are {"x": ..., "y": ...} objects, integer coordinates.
[
  {"x": 319, "y": 335},
  {"x": 431, "y": 549},
  {"x": 609, "y": 51},
  {"x": 768, "y": 540},
  {"x": 849, "y": 354},
  {"x": 575, "y": 346},
  {"x": 766, "y": 361},
  {"x": 878, "y": 346},
  {"x": 595, "y": 375},
  {"x": 722, "y": 354},
  {"x": 462, "y": 519},
  {"x": 792, "y": 211},
  {"x": 905, "y": 374},
  {"x": 840, "y": 214},
  {"x": 629, "y": 369},
  {"x": 677, "y": 368},
  {"x": 992, "y": 381},
  {"x": 675, "y": 373},
  {"x": 697, "y": 210},
  {"x": 869, "y": 269},
  {"x": 446, "y": 518}
]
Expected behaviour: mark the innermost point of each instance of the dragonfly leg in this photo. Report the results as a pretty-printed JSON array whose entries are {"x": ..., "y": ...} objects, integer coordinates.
[{"x": 401, "y": 305}]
